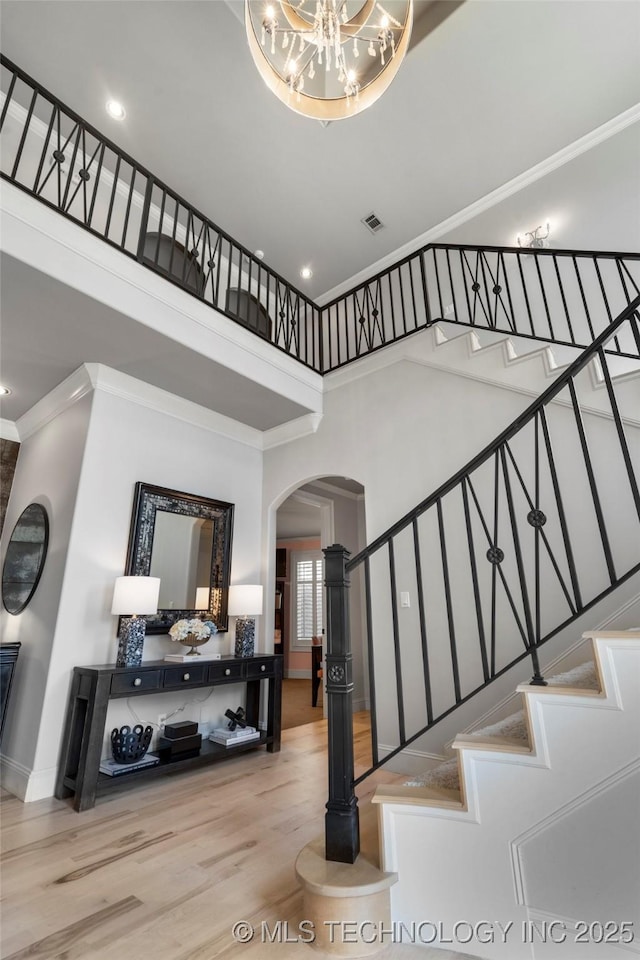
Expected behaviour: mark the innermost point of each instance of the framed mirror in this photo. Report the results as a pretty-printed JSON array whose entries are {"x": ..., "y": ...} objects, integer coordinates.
[
  {"x": 26, "y": 553},
  {"x": 186, "y": 541}
]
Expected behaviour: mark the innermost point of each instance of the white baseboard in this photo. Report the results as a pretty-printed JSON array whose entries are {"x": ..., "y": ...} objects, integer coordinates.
[
  {"x": 27, "y": 785},
  {"x": 361, "y": 704},
  {"x": 297, "y": 674}
]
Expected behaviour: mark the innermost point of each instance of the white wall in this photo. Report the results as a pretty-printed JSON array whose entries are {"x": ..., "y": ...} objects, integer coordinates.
[
  {"x": 402, "y": 431},
  {"x": 592, "y": 202},
  {"x": 48, "y": 472},
  {"x": 398, "y": 432},
  {"x": 126, "y": 442}
]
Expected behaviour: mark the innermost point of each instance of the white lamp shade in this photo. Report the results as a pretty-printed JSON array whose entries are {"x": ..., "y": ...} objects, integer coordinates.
[
  {"x": 202, "y": 598},
  {"x": 245, "y": 600},
  {"x": 134, "y": 596}
]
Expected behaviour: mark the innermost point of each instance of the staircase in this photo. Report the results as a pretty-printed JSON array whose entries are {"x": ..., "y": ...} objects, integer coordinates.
[
  {"x": 507, "y": 555},
  {"x": 540, "y": 834}
]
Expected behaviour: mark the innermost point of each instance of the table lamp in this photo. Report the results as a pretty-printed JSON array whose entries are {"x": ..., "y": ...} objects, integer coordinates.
[
  {"x": 245, "y": 603},
  {"x": 132, "y": 598}
]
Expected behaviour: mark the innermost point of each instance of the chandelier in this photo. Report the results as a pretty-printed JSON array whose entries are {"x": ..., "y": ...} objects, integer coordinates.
[{"x": 328, "y": 59}]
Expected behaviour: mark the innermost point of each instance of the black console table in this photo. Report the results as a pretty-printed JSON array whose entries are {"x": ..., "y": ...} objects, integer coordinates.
[{"x": 93, "y": 687}]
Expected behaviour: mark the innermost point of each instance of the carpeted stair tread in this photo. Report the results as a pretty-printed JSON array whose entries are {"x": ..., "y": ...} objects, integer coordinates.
[
  {"x": 583, "y": 676},
  {"x": 446, "y": 775}
]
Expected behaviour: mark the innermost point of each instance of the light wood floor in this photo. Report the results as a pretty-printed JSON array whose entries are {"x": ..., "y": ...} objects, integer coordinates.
[
  {"x": 296, "y": 704},
  {"x": 162, "y": 872}
]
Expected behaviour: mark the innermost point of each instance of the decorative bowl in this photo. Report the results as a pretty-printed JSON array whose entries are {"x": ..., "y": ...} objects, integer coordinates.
[
  {"x": 192, "y": 641},
  {"x": 129, "y": 745}
]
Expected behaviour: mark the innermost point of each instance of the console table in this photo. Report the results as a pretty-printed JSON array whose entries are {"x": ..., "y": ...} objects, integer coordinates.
[{"x": 93, "y": 687}]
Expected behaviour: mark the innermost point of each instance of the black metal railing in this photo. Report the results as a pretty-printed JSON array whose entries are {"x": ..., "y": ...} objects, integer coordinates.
[
  {"x": 535, "y": 530},
  {"x": 558, "y": 296},
  {"x": 54, "y": 155}
]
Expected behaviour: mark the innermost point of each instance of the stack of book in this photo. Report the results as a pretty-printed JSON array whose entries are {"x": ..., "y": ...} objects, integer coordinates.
[
  {"x": 114, "y": 769},
  {"x": 229, "y": 738}
]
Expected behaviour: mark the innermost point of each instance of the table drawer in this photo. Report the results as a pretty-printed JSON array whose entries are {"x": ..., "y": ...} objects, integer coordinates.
[
  {"x": 184, "y": 675},
  {"x": 135, "y": 682},
  {"x": 225, "y": 671},
  {"x": 260, "y": 668}
]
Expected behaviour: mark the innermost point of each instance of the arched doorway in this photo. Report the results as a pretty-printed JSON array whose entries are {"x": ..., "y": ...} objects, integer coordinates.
[{"x": 320, "y": 512}]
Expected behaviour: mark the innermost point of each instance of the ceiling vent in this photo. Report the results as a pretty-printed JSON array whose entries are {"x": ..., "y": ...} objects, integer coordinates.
[{"x": 373, "y": 222}]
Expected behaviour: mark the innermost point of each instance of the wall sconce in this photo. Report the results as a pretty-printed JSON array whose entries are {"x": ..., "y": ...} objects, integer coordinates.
[
  {"x": 133, "y": 597},
  {"x": 535, "y": 241},
  {"x": 245, "y": 603}
]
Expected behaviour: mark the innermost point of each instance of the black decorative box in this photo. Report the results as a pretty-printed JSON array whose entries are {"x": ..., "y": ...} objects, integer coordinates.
[
  {"x": 179, "y": 749},
  {"x": 184, "y": 728}
]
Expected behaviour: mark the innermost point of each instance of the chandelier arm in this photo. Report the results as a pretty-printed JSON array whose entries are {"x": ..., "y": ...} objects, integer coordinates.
[
  {"x": 311, "y": 54},
  {"x": 386, "y": 13},
  {"x": 350, "y": 29},
  {"x": 298, "y": 33}
]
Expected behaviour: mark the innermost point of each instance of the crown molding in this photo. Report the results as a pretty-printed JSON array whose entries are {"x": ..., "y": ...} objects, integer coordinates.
[
  {"x": 9, "y": 430},
  {"x": 293, "y": 430},
  {"x": 77, "y": 385},
  {"x": 122, "y": 385},
  {"x": 91, "y": 377},
  {"x": 335, "y": 491},
  {"x": 604, "y": 132}
]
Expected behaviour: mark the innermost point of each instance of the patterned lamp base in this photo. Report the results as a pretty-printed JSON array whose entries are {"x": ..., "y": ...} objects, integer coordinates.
[
  {"x": 245, "y": 636},
  {"x": 131, "y": 641}
]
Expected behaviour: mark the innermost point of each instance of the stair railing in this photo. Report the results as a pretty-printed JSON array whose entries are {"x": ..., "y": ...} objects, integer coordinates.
[
  {"x": 565, "y": 297},
  {"x": 509, "y": 551}
]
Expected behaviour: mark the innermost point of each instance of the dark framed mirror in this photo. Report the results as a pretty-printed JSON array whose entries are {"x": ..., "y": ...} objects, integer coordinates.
[
  {"x": 26, "y": 553},
  {"x": 186, "y": 541}
]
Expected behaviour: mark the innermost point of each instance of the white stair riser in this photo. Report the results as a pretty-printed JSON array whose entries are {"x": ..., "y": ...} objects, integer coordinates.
[{"x": 472, "y": 865}]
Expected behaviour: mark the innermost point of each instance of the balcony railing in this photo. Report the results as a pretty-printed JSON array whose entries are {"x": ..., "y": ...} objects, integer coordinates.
[
  {"x": 558, "y": 296},
  {"x": 54, "y": 155}
]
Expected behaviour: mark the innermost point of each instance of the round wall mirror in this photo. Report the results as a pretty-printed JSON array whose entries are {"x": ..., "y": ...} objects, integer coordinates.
[{"x": 25, "y": 558}]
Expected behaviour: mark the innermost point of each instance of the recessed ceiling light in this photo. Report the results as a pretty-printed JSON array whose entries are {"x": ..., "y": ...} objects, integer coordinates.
[
  {"x": 4, "y": 391},
  {"x": 306, "y": 273},
  {"x": 116, "y": 110},
  {"x": 259, "y": 254}
]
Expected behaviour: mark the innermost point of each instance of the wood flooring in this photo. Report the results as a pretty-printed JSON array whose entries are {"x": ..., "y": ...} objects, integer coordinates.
[
  {"x": 162, "y": 872},
  {"x": 296, "y": 704}
]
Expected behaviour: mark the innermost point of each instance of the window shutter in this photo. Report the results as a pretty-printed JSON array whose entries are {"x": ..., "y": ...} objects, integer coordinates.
[{"x": 309, "y": 596}]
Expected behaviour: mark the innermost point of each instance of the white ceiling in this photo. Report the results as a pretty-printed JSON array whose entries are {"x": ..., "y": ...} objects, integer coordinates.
[{"x": 489, "y": 88}]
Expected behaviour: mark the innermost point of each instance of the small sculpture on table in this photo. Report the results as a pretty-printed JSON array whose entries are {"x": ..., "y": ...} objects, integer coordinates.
[{"x": 237, "y": 719}]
